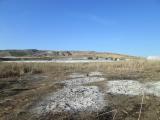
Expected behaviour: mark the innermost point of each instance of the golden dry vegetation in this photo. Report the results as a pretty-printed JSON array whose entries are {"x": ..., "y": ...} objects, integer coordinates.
[{"x": 22, "y": 84}]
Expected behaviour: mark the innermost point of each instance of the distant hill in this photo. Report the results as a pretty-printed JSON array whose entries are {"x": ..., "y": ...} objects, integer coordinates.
[{"x": 28, "y": 53}]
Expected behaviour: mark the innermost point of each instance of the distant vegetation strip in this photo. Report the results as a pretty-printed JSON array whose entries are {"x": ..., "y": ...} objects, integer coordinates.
[{"x": 33, "y": 54}]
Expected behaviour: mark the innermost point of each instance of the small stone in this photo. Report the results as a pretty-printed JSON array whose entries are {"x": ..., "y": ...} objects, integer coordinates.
[
  {"x": 6, "y": 109},
  {"x": 158, "y": 112},
  {"x": 147, "y": 97},
  {"x": 124, "y": 111}
]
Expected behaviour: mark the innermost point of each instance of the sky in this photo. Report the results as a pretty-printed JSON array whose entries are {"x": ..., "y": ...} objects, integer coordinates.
[{"x": 119, "y": 26}]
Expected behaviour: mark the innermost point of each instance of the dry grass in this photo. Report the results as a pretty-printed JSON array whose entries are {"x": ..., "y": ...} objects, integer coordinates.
[
  {"x": 15, "y": 69},
  {"x": 136, "y": 69},
  {"x": 114, "y": 70}
]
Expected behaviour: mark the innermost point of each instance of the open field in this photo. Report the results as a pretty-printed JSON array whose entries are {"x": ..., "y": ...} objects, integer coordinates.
[{"x": 125, "y": 90}]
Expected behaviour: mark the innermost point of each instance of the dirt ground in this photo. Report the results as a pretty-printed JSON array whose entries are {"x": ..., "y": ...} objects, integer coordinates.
[
  {"x": 19, "y": 96},
  {"x": 110, "y": 91}
]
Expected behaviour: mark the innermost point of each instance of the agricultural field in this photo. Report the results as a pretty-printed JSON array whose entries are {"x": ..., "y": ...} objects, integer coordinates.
[{"x": 124, "y": 90}]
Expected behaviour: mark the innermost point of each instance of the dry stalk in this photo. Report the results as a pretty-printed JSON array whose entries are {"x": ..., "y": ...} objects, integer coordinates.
[
  {"x": 115, "y": 110},
  {"x": 140, "y": 112},
  {"x": 115, "y": 114}
]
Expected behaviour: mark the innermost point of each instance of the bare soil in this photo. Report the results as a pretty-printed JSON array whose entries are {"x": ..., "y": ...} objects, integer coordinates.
[{"x": 77, "y": 96}]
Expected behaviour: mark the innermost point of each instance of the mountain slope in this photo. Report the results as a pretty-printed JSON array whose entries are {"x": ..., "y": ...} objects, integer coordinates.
[{"x": 60, "y": 54}]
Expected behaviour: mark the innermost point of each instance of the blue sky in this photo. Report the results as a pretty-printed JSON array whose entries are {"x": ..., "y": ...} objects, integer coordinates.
[{"x": 120, "y": 26}]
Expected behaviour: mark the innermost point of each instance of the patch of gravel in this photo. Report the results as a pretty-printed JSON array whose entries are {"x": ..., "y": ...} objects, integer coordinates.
[
  {"x": 79, "y": 75},
  {"x": 74, "y": 96},
  {"x": 77, "y": 97},
  {"x": 133, "y": 87},
  {"x": 72, "y": 99},
  {"x": 95, "y": 74},
  {"x": 82, "y": 81},
  {"x": 153, "y": 88},
  {"x": 76, "y": 75},
  {"x": 125, "y": 87}
]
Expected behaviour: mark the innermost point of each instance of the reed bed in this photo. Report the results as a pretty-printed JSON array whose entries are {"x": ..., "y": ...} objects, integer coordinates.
[{"x": 124, "y": 68}]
